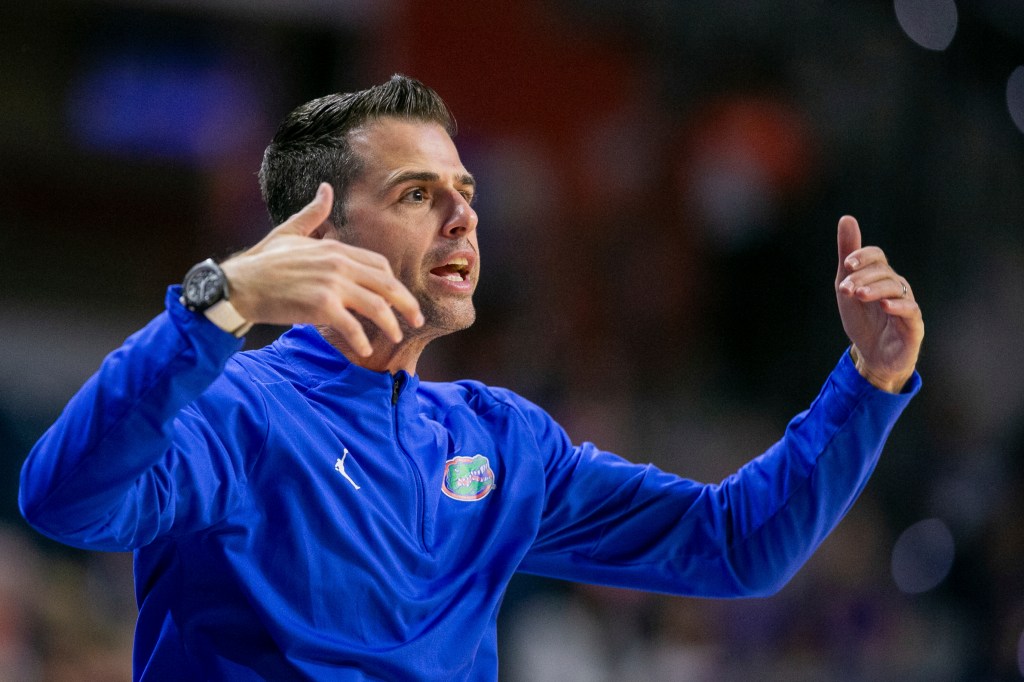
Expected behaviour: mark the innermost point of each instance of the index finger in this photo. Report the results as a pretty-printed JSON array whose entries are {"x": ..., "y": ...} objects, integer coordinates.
[
  {"x": 862, "y": 258},
  {"x": 402, "y": 300},
  {"x": 378, "y": 276},
  {"x": 311, "y": 216}
]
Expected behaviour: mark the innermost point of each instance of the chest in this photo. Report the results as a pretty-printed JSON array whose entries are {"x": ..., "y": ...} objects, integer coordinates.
[{"x": 436, "y": 488}]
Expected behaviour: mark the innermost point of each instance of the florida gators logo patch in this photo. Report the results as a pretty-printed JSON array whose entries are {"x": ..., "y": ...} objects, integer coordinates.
[{"x": 468, "y": 479}]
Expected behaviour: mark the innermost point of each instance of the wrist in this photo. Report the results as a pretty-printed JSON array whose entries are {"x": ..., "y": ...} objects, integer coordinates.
[
  {"x": 879, "y": 380},
  {"x": 206, "y": 290},
  {"x": 227, "y": 318}
]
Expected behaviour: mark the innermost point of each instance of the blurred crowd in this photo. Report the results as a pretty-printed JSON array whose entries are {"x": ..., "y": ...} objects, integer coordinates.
[{"x": 659, "y": 189}]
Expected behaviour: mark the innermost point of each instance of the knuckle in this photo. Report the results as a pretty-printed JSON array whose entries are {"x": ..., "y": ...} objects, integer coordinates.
[
  {"x": 382, "y": 262},
  {"x": 321, "y": 298},
  {"x": 338, "y": 265}
]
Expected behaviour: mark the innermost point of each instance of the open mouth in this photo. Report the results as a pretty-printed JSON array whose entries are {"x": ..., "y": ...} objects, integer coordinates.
[{"x": 455, "y": 270}]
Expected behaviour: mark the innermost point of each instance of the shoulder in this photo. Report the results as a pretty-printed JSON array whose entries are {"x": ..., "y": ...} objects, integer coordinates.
[
  {"x": 476, "y": 395},
  {"x": 260, "y": 366},
  {"x": 242, "y": 387},
  {"x": 493, "y": 404}
]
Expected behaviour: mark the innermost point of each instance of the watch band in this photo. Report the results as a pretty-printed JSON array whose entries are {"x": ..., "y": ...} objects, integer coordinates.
[{"x": 225, "y": 316}]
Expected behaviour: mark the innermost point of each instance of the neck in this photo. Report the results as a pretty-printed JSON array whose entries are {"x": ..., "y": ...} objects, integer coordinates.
[{"x": 387, "y": 356}]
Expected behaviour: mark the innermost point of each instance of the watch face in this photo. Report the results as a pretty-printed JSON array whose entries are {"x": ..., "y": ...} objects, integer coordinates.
[{"x": 203, "y": 286}]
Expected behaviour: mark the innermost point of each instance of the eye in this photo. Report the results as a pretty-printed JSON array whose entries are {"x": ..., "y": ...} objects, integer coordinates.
[
  {"x": 415, "y": 196},
  {"x": 468, "y": 195}
]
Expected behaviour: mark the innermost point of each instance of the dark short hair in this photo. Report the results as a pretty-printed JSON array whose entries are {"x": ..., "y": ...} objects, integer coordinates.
[{"x": 312, "y": 146}]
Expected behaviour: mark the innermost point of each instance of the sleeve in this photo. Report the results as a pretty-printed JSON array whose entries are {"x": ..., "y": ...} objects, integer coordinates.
[
  {"x": 612, "y": 522},
  {"x": 149, "y": 445}
]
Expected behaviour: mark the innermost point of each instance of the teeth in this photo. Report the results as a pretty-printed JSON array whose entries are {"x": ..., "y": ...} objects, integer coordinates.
[{"x": 455, "y": 270}]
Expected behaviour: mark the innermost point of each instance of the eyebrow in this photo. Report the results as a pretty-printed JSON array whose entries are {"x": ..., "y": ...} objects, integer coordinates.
[{"x": 465, "y": 179}]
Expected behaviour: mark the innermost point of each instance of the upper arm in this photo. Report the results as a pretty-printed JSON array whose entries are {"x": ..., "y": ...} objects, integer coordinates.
[{"x": 147, "y": 445}]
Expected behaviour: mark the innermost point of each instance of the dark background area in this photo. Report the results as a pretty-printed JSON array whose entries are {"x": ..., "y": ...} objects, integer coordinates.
[{"x": 659, "y": 188}]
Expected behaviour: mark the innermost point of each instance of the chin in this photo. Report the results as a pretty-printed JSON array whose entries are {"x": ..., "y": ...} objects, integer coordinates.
[{"x": 449, "y": 318}]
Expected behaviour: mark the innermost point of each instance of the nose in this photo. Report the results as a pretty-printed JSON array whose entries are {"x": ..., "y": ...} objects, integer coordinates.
[{"x": 461, "y": 219}]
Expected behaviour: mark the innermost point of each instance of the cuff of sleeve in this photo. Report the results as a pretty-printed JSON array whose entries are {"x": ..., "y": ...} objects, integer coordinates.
[
  {"x": 197, "y": 327},
  {"x": 847, "y": 376}
]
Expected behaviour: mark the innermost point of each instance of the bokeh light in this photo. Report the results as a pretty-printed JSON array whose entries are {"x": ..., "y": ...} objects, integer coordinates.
[
  {"x": 1020, "y": 654},
  {"x": 929, "y": 23},
  {"x": 1015, "y": 96},
  {"x": 189, "y": 104},
  {"x": 922, "y": 556}
]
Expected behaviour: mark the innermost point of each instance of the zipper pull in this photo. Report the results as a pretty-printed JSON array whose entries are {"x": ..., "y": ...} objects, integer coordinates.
[{"x": 396, "y": 388}]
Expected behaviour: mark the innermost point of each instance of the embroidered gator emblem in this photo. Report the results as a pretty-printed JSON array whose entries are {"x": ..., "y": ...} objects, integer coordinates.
[{"x": 467, "y": 478}]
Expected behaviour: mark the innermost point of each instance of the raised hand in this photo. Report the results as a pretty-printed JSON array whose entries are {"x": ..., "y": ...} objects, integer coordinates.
[
  {"x": 878, "y": 310},
  {"x": 296, "y": 276}
]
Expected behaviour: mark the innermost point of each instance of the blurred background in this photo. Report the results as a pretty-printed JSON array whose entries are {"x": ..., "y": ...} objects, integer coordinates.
[{"x": 659, "y": 188}]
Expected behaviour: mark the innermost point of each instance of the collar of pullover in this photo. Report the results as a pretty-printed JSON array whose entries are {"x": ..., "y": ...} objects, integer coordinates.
[{"x": 321, "y": 363}]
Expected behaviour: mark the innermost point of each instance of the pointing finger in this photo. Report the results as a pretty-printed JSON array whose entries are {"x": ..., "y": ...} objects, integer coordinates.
[
  {"x": 311, "y": 216},
  {"x": 864, "y": 257},
  {"x": 351, "y": 330},
  {"x": 849, "y": 240},
  {"x": 373, "y": 271}
]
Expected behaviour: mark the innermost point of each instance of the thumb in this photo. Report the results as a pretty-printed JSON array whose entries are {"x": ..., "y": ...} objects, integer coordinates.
[
  {"x": 311, "y": 216},
  {"x": 848, "y": 239}
]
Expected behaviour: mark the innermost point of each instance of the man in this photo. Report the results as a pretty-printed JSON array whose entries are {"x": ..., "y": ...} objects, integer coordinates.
[{"x": 312, "y": 510}]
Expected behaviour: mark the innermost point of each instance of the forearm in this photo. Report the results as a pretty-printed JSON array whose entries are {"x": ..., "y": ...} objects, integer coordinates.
[
  {"x": 120, "y": 423},
  {"x": 639, "y": 527},
  {"x": 799, "y": 490},
  {"x": 778, "y": 509}
]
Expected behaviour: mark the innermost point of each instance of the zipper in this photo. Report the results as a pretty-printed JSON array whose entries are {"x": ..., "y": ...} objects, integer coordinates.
[{"x": 396, "y": 390}]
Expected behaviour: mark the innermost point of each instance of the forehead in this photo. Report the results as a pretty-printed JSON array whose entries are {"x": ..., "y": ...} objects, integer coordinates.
[{"x": 390, "y": 145}]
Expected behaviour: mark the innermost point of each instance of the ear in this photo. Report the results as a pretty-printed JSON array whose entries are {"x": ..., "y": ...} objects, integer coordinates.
[{"x": 325, "y": 230}]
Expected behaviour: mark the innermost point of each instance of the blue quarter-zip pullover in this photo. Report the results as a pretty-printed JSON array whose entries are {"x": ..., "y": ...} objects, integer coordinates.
[{"x": 294, "y": 516}]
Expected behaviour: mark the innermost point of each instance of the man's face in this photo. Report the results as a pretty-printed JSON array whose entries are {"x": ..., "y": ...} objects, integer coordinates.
[{"x": 412, "y": 204}]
